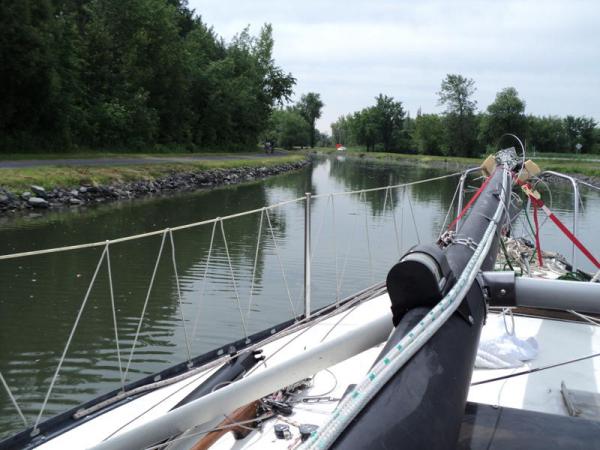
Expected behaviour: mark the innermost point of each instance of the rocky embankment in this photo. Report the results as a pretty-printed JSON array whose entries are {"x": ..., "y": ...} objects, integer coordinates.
[{"x": 43, "y": 199}]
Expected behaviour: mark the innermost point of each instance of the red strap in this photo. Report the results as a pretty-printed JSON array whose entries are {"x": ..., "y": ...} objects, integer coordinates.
[
  {"x": 538, "y": 247},
  {"x": 468, "y": 205},
  {"x": 540, "y": 204}
]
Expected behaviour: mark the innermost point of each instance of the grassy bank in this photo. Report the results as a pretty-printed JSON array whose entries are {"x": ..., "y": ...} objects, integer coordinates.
[
  {"x": 566, "y": 165},
  {"x": 51, "y": 176}
]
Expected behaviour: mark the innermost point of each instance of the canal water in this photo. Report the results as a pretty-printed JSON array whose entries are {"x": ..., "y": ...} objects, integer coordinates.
[{"x": 247, "y": 282}]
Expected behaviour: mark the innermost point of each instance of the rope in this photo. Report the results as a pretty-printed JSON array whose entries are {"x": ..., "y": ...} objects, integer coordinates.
[
  {"x": 139, "y": 326},
  {"x": 210, "y": 247},
  {"x": 114, "y": 316},
  {"x": 148, "y": 234},
  {"x": 235, "y": 290},
  {"x": 287, "y": 288},
  {"x": 350, "y": 242},
  {"x": 185, "y": 333},
  {"x": 588, "y": 184},
  {"x": 335, "y": 255},
  {"x": 71, "y": 334},
  {"x": 367, "y": 237},
  {"x": 412, "y": 213},
  {"x": 412, "y": 183},
  {"x": 13, "y": 399},
  {"x": 393, "y": 211},
  {"x": 260, "y": 224},
  {"x": 443, "y": 228}
]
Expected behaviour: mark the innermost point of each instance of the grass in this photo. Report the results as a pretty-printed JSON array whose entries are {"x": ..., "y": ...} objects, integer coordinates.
[{"x": 19, "y": 179}]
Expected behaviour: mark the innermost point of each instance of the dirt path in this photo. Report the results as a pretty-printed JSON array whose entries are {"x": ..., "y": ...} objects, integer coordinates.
[{"x": 112, "y": 161}]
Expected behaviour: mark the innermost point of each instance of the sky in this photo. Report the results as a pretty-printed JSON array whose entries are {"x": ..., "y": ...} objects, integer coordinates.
[{"x": 350, "y": 51}]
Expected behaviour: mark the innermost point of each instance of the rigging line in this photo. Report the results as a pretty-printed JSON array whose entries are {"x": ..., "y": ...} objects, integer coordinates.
[
  {"x": 393, "y": 211},
  {"x": 13, "y": 400},
  {"x": 346, "y": 257},
  {"x": 535, "y": 369},
  {"x": 260, "y": 224},
  {"x": 210, "y": 247},
  {"x": 335, "y": 255},
  {"x": 587, "y": 318},
  {"x": 287, "y": 288},
  {"x": 412, "y": 183},
  {"x": 368, "y": 239},
  {"x": 587, "y": 184},
  {"x": 139, "y": 326},
  {"x": 235, "y": 290},
  {"x": 71, "y": 334},
  {"x": 443, "y": 230},
  {"x": 114, "y": 315},
  {"x": 412, "y": 213},
  {"x": 185, "y": 333},
  {"x": 148, "y": 234}
]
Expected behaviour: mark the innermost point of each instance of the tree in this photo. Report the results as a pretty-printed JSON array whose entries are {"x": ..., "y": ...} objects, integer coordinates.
[
  {"x": 389, "y": 116},
  {"x": 309, "y": 107},
  {"x": 546, "y": 134},
  {"x": 429, "y": 134},
  {"x": 505, "y": 115},
  {"x": 288, "y": 128},
  {"x": 580, "y": 130},
  {"x": 456, "y": 94}
]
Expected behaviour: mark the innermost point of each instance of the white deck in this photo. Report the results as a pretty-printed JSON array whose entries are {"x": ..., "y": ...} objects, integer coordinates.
[{"x": 559, "y": 341}]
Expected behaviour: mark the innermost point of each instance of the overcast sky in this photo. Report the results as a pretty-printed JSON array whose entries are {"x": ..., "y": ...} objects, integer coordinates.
[{"x": 350, "y": 51}]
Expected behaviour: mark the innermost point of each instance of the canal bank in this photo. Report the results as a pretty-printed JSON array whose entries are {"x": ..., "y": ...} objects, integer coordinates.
[{"x": 152, "y": 181}]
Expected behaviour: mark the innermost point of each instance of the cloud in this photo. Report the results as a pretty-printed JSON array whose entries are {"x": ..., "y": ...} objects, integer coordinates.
[{"x": 349, "y": 51}]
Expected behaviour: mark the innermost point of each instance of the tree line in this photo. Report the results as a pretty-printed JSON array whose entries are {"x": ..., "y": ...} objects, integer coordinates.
[
  {"x": 136, "y": 74},
  {"x": 461, "y": 130}
]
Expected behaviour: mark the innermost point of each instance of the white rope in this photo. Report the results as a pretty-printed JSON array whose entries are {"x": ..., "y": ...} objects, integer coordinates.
[
  {"x": 367, "y": 237},
  {"x": 393, "y": 211},
  {"x": 412, "y": 183},
  {"x": 71, "y": 334},
  {"x": 139, "y": 326},
  {"x": 206, "y": 265},
  {"x": 450, "y": 208},
  {"x": 148, "y": 234},
  {"x": 350, "y": 242},
  {"x": 114, "y": 316},
  {"x": 260, "y": 224},
  {"x": 235, "y": 290},
  {"x": 412, "y": 213},
  {"x": 588, "y": 184},
  {"x": 287, "y": 288},
  {"x": 335, "y": 255},
  {"x": 596, "y": 277},
  {"x": 185, "y": 333},
  {"x": 13, "y": 399}
]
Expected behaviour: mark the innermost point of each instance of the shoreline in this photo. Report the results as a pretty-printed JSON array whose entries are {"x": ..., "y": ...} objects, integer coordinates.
[{"x": 67, "y": 198}]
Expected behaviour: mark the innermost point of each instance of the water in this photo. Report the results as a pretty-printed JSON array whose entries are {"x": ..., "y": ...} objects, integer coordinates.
[{"x": 41, "y": 296}]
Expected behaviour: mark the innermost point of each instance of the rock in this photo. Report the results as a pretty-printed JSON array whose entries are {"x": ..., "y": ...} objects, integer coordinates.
[
  {"x": 75, "y": 201},
  {"x": 38, "y": 202},
  {"x": 4, "y": 199},
  {"x": 83, "y": 189},
  {"x": 74, "y": 192},
  {"x": 25, "y": 195},
  {"x": 38, "y": 190}
]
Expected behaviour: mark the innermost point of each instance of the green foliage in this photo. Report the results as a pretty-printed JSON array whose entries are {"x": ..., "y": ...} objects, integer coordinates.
[
  {"x": 505, "y": 115},
  {"x": 103, "y": 73},
  {"x": 381, "y": 124},
  {"x": 429, "y": 134},
  {"x": 288, "y": 129},
  {"x": 456, "y": 94},
  {"x": 309, "y": 107}
]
